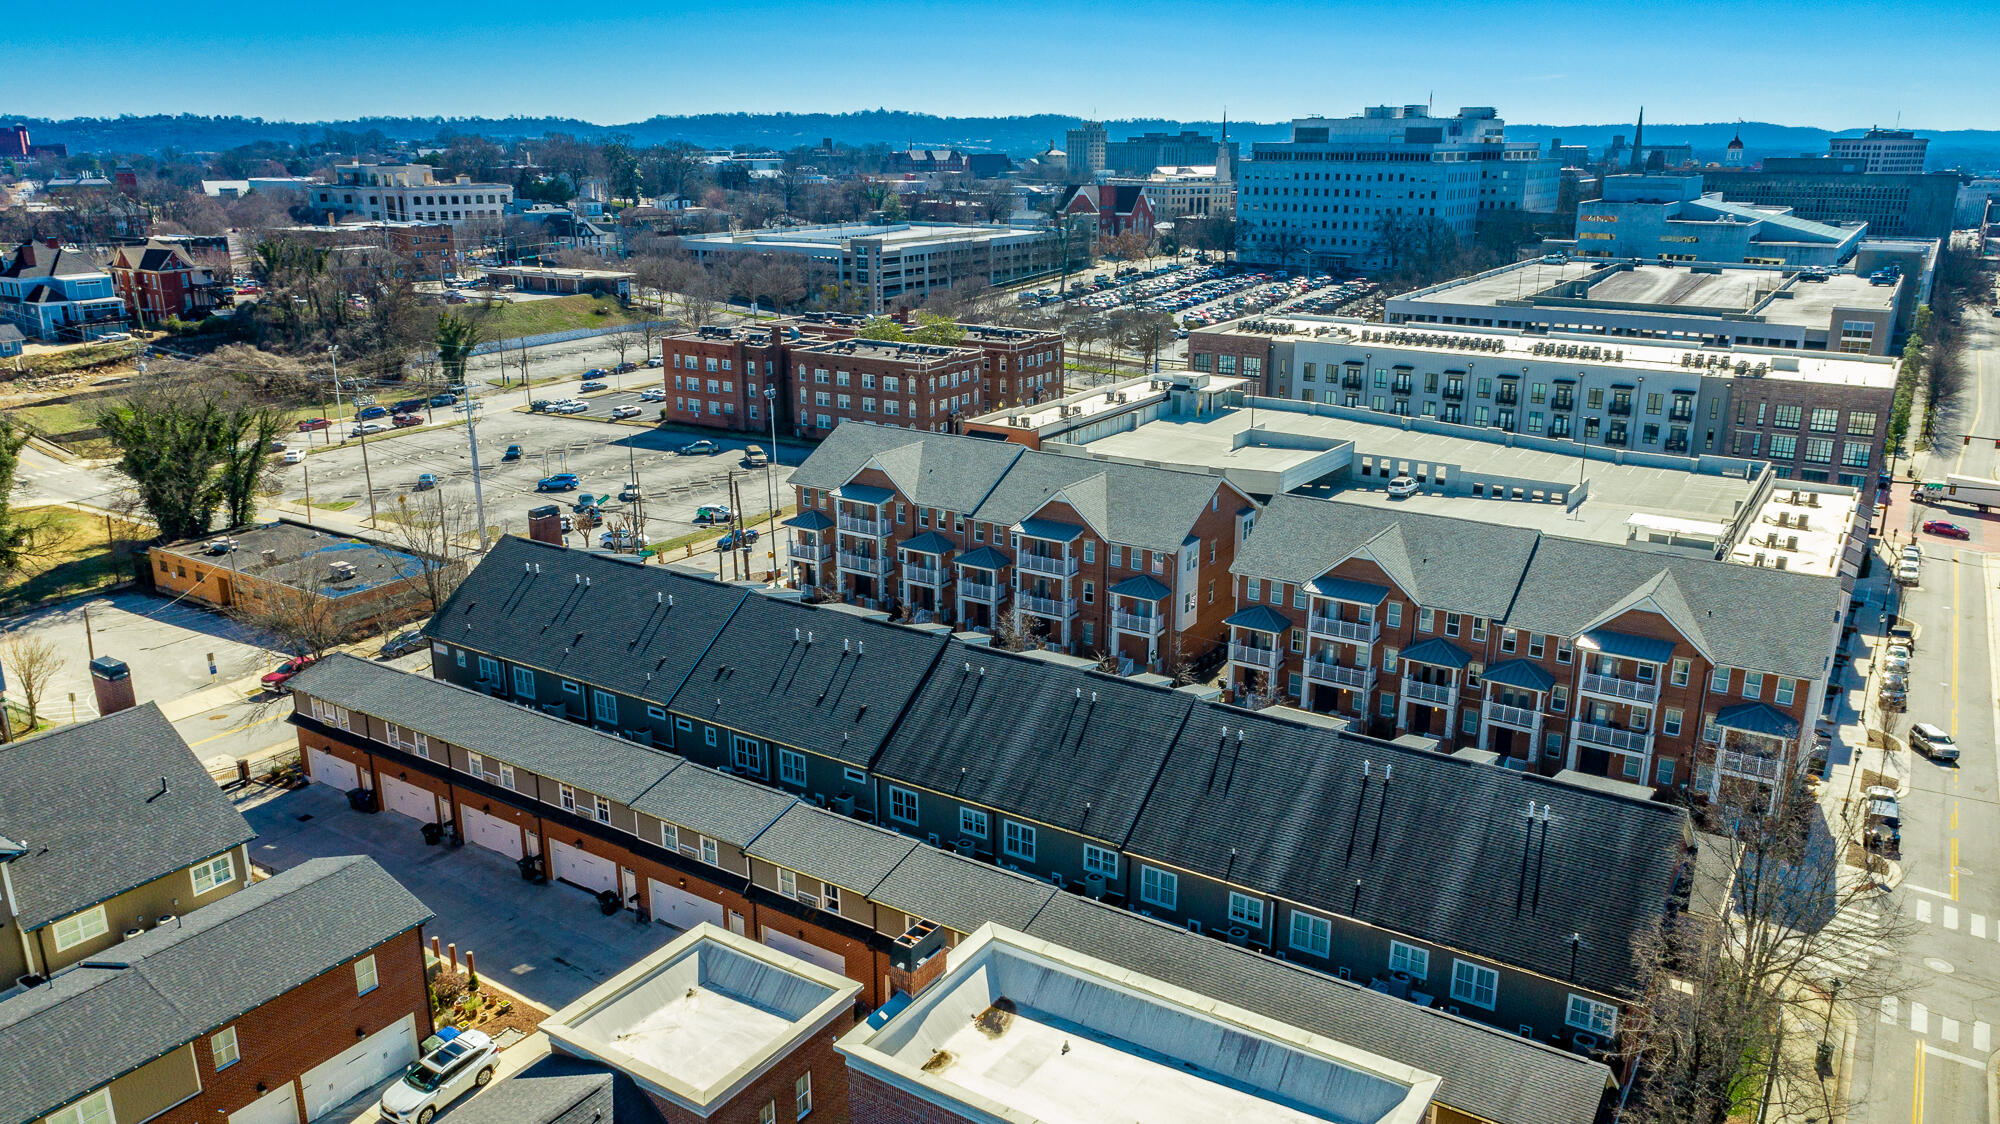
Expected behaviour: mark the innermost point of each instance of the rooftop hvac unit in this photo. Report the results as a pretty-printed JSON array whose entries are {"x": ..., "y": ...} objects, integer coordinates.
[{"x": 340, "y": 571}]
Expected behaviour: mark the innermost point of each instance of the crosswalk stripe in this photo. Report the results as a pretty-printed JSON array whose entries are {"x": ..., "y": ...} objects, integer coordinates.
[
  {"x": 1924, "y": 911},
  {"x": 1948, "y": 1029},
  {"x": 1978, "y": 923},
  {"x": 1950, "y": 917},
  {"x": 1982, "y": 1037},
  {"x": 1920, "y": 1018},
  {"x": 1888, "y": 1008}
]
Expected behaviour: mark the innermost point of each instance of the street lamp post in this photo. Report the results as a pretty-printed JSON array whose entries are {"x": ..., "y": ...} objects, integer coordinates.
[
  {"x": 470, "y": 408},
  {"x": 1826, "y": 1032}
]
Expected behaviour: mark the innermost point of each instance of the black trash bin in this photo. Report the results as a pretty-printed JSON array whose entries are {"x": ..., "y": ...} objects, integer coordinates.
[
  {"x": 531, "y": 867},
  {"x": 361, "y": 799},
  {"x": 607, "y": 902},
  {"x": 433, "y": 834}
]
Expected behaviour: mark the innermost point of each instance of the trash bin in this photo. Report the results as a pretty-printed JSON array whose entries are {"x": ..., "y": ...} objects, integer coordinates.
[
  {"x": 361, "y": 799},
  {"x": 607, "y": 902},
  {"x": 433, "y": 834},
  {"x": 531, "y": 867}
]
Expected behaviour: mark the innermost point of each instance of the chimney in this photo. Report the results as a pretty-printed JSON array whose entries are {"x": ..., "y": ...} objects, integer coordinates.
[
  {"x": 111, "y": 680},
  {"x": 545, "y": 524},
  {"x": 917, "y": 958}
]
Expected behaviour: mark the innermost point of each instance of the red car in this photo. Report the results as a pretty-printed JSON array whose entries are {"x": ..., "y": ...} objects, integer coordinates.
[
  {"x": 310, "y": 424},
  {"x": 405, "y": 421},
  {"x": 1947, "y": 530},
  {"x": 286, "y": 670}
]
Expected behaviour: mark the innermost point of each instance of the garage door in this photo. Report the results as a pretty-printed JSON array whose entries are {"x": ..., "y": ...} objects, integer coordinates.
[
  {"x": 810, "y": 953},
  {"x": 675, "y": 906},
  {"x": 490, "y": 832},
  {"x": 407, "y": 799},
  {"x": 581, "y": 868},
  {"x": 328, "y": 769},
  {"x": 279, "y": 1106},
  {"x": 360, "y": 1068}
]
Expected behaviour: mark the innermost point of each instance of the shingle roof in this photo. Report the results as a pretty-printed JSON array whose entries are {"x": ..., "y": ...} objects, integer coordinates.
[
  {"x": 89, "y": 1025},
  {"x": 1070, "y": 748},
  {"x": 808, "y": 677},
  {"x": 624, "y": 627},
  {"x": 720, "y": 806},
  {"x": 583, "y": 1098},
  {"x": 832, "y": 848},
  {"x": 1295, "y": 810},
  {"x": 961, "y": 893},
  {"x": 952, "y": 475},
  {"x": 1499, "y": 1076},
  {"x": 105, "y": 806}
]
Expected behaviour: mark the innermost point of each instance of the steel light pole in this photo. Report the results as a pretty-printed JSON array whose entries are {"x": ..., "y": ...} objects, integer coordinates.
[{"x": 470, "y": 408}]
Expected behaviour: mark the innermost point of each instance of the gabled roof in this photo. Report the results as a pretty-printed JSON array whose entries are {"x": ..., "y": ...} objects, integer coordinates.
[
  {"x": 812, "y": 678},
  {"x": 715, "y": 804},
  {"x": 32, "y": 259},
  {"x": 930, "y": 542},
  {"x": 1260, "y": 618},
  {"x": 104, "y": 806},
  {"x": 1306, "y": 812},
  {"x": 1143, "y": 586},
  {"x": 1526, "y": 674},
  {"x": 985, "y": 558},
  {"x": 90, "y": 1025},
  {"x": 951, "y": 475},
  {"x": 832, "y": 848},
  {"x": 1439, "y": 651},
  {"x": 810, "y": 521},
  {"x": 1661, "y": 595},
  {"x": 1065, "y": 747},
  {"x": 622, "y": 626},
  {"x": 961, "y": 893}
]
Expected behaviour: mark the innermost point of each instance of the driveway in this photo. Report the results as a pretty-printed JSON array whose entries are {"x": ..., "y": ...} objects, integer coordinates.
[{"x": 548, "y": 943}]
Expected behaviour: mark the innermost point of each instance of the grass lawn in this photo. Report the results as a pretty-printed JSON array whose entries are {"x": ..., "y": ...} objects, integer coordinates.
[
  {"x": 556, "y": 314},
  {"x": 79, "y": 561}
]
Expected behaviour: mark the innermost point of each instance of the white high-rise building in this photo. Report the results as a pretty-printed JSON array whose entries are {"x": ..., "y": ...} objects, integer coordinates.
[
  {"x": 1327, "y": 197},
  {"x": 1884, "y": 150}
]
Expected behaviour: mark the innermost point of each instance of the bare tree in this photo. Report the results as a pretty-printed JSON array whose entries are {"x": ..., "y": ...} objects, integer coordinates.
[
  {"x": 33, "y": 662},
  {"x": 437, "y": 528},
  {"x": 304, "y": 620}
]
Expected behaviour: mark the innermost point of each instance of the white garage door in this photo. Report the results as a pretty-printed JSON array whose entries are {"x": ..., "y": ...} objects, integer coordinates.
[
  {"x": 581, "y": 868},
  {"x": 328, "y": 769},
  {"x": 675, "y": 906},
  {"x": 407, "y": 799},
  {"x": 359, "y": 1068},
  {"x": 810, "y": 953},
  {"x": 279, "y": 1106},
  {"x": 490, "y": 832}
]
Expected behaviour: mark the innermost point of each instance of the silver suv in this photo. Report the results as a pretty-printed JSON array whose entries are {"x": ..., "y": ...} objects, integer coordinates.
[{"x": 1933, "y": 742}]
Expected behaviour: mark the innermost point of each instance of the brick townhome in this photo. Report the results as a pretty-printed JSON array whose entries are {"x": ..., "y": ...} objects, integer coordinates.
[{"x": 160, "y": 279}]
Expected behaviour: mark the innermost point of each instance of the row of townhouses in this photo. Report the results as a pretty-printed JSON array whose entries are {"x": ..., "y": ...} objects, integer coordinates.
[
  {"x": 1289, "y": 836},
  {"x": 155, "y": 975}
]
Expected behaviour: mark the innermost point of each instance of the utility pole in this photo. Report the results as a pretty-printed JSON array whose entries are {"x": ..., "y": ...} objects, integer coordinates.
[
  {"x": 470, "y": 407},
  {"x": 770, "y": 481},
  {"x": 307, "y": 470},
  {"x": 367, "y": 475},
  {"x": 638, "y": 498}
]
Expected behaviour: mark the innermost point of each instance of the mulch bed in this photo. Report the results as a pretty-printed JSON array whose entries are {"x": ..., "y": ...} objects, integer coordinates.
[{"x": 449, "y": 987}]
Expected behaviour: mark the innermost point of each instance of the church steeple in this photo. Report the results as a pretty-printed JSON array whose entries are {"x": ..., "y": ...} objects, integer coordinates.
[{"x": 1638, "y": 142}]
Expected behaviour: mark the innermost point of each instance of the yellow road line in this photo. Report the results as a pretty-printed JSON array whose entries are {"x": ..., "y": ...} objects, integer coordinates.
[
  {"x": 233, "y": 730},
  {"x": 1917, "y": 1095}
]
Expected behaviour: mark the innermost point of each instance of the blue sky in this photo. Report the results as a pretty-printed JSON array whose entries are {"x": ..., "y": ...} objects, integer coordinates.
[{"x": 1829, "y": 63}]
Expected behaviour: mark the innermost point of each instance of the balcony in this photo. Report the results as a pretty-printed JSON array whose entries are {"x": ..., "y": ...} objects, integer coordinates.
[
  {"x": 1400, "y": 386},
  {"x": 1564, "y": 402},
  {"x": 1611, "y": 738},
  {"x": 1266, "y": 658},
  {"x": 1520, "y": 718},
  {"x": 1046, "y": 564},
  {"x": 986, "y": 593},
  {"x": 803, "y": 551},
  {"x": 1360, "y": 632},
  {"x": 1507, "y": 396},
  {"x": 917, "y": 574},
  {"x": 1454, "y": 391},
  {"x": 1754, "y": 766},
  {"x": 1437, "y": 694},
  {"x": 1045, "y": 606},
  {"x": 1145, "y": 624},
  {"x": 1352, "y": 678},
  {"x": 864, "y": 525},
  {"x": 1619, "y": 408},
  {"x": 1625, "y": 690},
  {"x": 863, "y": 563},
  {"x": 1681, "y": 413}
]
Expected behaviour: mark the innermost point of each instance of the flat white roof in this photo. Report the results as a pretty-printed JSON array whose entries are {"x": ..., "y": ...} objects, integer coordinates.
[
  {"x": 1524, "y": 290},
  {"x": 1025, "y": 1030}
]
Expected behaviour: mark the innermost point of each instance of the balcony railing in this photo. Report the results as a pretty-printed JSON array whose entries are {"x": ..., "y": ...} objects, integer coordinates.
[
  {"x": 1607, "y": 737},
  {"x": 1749, "y": 765},
  {"x": 863, "y": 563},
  {"x": 1352, "y": 678},
  {"x": 1145, "y": 624},
  {"x": 1352, "y": 381},
  {"x": 1255, "y": 657},
  {"x": 1619, "y": 408},
  {"x": 1681, "y": 415},
  {"x": 982, "y": 592},
  {"x": 1564, "y": 402},
  {"x": 1400, "y": 386},
  {"x": 802, "y": 551},
  {"x": 1454, "y": 391},
  {"x": 1365, "y": 632},
  {"x": 1611, "y": 686},
  {"x": 1441, "y": 694},
  {"x": 1046, "y": 606},
  {"x": 1521, "y": 718},
  {"x": 1046, "y": 563},
  {"x": 864, "y": 525},
  {"x": 922, "y": 575},
  {"x": 1507, "y": 396}
]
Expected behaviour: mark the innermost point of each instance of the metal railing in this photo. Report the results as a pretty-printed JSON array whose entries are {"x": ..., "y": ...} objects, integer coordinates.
[
  {"x": 922, "y": 575},
  {"x": 982, "y": 592},
  {"x": 1516, "y": 716},
  {"x": 801, "y": 551},
  {"x": 1440, "y": 693},
  {"x": 1045, "y": 563},
  {"x": 1145, "y": 624},
  {"x": 1045, "y": 606},
  {"x": 1749, "y": 764},
  {"x": 1608, "y": 737},
  {"x": 1367, "y": 632},
  {"x": 863, "y": 563},
  {"x": 862, "y": 525},
  {"x": 1352, "y": 678},
  {"x": 1255, "y": 657},
  {"x": 1611, "y": 686}
]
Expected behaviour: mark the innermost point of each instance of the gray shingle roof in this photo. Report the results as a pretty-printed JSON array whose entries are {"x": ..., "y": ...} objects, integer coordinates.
[
  {"x": 837, "y": 693},
  {"x": 105, "y": 806},
  {"x": 953, "y": 475},
  {"x": 961, "y": 893},
  {"x": 632, "y": 629},
  {"x": 1070, "y": 748},
  {"x": 89, "y": 1025},
  {"x": 583, "y": 1098},
  {"x": 1500, "y": 1076},
  {"x": 1293, "y": 810},
  {"x": 832, "y": 848},
  {"x": 722, "y": 807}
]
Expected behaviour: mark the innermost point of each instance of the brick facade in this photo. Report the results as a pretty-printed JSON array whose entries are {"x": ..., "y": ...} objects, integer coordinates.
[
  {"x": 717, "y": 377},
  {"x": 916, "y": 386},
  {"x": 1812, "y": 431},
  {"x": 779, "y": 1086},
  {"x": 871, "y": 1101},
  {"x": 1233, "y": 355}
]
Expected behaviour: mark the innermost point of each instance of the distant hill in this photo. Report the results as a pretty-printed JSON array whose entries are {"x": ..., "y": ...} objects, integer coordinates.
[{"x": 1019, "y": 136}]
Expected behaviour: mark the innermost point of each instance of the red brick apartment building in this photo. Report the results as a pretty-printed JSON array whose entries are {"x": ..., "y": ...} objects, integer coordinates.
[
  {"x": 912, "y": 385},
  {"x": 159, "y": 279},
  {"x": 717, "y": 377},
  {"x": 1092, "y": 558},
  {"x": 1022, "y": 366}
]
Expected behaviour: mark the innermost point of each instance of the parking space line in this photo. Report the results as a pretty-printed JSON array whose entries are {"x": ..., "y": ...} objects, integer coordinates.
[
  {"x": 1948, "y": 1030},
  {"x": 1950, "y": 917},
  {"x": 1888, "y": 1008},
  {"x": 1920, "y": 1018},
  {"x": 1924, "y": 912}
]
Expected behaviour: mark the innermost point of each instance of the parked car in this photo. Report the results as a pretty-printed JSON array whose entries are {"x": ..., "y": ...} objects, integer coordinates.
[
  {"x": 445, "y": 399},
  {"x": 277, "y": 445},
  {"x": 734, "y": 539},
  {"x": 405, "y": 421},
  {"x": 373, "y": 412},
  {"x": 311, "y": 424},
  {"x": 620, "y": 539},
  {"x": 408, "y": 405},
  {"x": 652, "y": 396},
  {"x": 440, "y": 1077},
  {"x": 402, "y": 644},
  {"x": 539, "y": 405},
  {"x": 624, "y": 368},
  {"x": 293, "y": 456},
  {"x": 560, "y": 482},
  {"x": 571, "y": 408},
  {"x": 426, "y": 481},
  {"x": 701, "y": 448},
  {"x": 1943, "y": 529},
  {"x": 629, "y": 493},
  {"x": 595, "y": 373},
  {"x": 1908, "y": 573},
  {"x": 622, "y": 412},
  {"x": 513, "y": 453},
  {"x": 656, "y": 361},
  {"x": 366, "y": 428},
  {"x": 585, "y": 501},
  {"x": 1933, "y": 742},
  {"x": 1402, "y": 486},
  {"x": 1913, "y": 553},
  {"x": 276, "y": 679},
  {"x": 712, "y": 513},
  {"x": 590, "y": 385},
  {"x": 753, "y": 457}
]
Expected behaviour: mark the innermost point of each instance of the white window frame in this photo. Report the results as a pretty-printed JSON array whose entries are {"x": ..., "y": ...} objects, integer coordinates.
[
  {"x": 524, "y": 682},
  {"x": 1410, "y": 958},
  {"x": 1466, "y": 978},
  {"x": 601, "y": 809},
  {"x": 791, "y": 767},
  {"x": 1590, "y": 1016},
  {"x": 80, "y": 927},
  {"x": 506, "y": 776},
  {"x": 788, "y": 883},
  {"x": 670, "y": 836},
  {"x": 802, "y": 1094},
  {"x": 1100, "y": 860},
  {"x": 1317, "y": 933},
  {"x": 746, "y": 754},
  {"x": 226, "y": 861},
  {"x": 566, "y": 798},
  {"x": 224, "y": 1042},
  {"x": 92, "y": 1109},
  {"x": 711, "y": 852},
  {"x": 974, "y": 823},
  {"x": 904, "y": 806},
  {"x": 1246, "y": 910},
  {"x": 1017, "y": 840},
  {"x": 1159, "y": 887},
  {"x": 365, "y": 977},
  {"x": 604, "y": 706}
]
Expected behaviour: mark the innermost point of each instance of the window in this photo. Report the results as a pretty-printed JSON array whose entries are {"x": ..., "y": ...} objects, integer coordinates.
[
  {"x": 670, "y": 836},
  {"x": 1159, "y": 887},
  {"x": 222, "y": 1047},
  {"x": 788, "y": 883},
  {"x": 1507, "y": 640},
  {"x": 746, "y": 754},
  {"x": 1409, "y": 958},
  {"x": 1592, "y": 1017},
  {"x": 1393, "y": 615},
  {"x": 1473, "y": 984},
  {"x": 768, "y": 1114},
  {"x": 1426, "y": 620},
  {"x": 1246, "y": 911},
  {"x": 218, "y": 871},
  {"x": 1753, "y": 684},
  {"x": 802, "y": 1094},
  {"x": 972, "y": 823},
  {"x": 1718, "y": 680},
  {"x": 1537, "y": 644},
  {"x": 1018, "y": 840},
  {"x": 791, "y": 768},
  {"x": 524, "y": 681},
  {"x": 1100, "y": 861},
  {"x": 570, "y": 688},
  {"x": 364, "y": 975},
  {"x": 566, "y": 797},
  {"x": 1825, "y": 419},
  {"x": 1861, "y": 423},
  {"x": 601, "y": 808},
  {"x": 1783, "y": 691},
  {"x": 93, "y": 1109},
  {"x": 710, "y": 853},
  {"x": 1562, "y": 650},
  {"x": 1311, "y": 934},
  {"x": 902, "y": 804},
  {"x": 604, "y": 705},
  {"x": 1451, "y": 621},
  {"x": 489, "y": 669},
  {"x": 1663, "y": 771},
  {"x": 1680, "y": 673},
  {"x": 1670, "y": 722},
  {"x": 78, "y": 928}
]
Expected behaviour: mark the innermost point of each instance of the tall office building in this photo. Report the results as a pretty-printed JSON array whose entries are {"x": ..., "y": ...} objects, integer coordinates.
[
  {"x": 1085, "y": 146},
  {"x": 1882, "y": 150}
]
